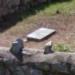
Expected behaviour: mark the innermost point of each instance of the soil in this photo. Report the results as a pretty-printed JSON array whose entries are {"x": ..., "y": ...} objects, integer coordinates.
[{"x": 63, "y": 24}]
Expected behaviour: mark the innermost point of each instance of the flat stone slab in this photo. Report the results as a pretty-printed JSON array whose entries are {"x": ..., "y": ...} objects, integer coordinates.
[{"x": 40, "y": 33}]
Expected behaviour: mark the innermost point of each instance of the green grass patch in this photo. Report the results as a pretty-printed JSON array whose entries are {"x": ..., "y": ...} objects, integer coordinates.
[
  {"x": 48, "y": 9},
  {"x": 65, "y": 7},
  {"x": 61, "y": 47}
]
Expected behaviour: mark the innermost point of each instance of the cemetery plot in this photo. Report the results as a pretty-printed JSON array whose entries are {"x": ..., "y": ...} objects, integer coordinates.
[{"x": 40, "y": 33}]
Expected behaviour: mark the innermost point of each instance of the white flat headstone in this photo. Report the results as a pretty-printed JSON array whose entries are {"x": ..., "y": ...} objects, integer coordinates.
[{"x": 40, "y": 33}]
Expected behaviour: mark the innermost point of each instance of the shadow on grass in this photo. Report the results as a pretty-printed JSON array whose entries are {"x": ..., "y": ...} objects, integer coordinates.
[{"x": 11, "y": 19}]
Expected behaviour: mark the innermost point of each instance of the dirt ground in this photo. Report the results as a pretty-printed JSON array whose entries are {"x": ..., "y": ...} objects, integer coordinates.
[{"x": 63, "y": 24}]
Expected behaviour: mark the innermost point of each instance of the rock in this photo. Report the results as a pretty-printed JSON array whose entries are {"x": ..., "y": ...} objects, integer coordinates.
[
  {"x": 25, "y": 40},
  {"x": 35, "y": 72},
  {"x": 2, "y": 69},
  {"x": 48, "y": 48},
  {"x": 60, "y": 68},
  {"x": 17, "y": 48},
  {"x": 72, "y": 70},
  {"x": 8, "y": 57},
  {"x": 30, "y": 70},
  {"x": 42, "y": 66},
  {"x": 7, "y": 61}
]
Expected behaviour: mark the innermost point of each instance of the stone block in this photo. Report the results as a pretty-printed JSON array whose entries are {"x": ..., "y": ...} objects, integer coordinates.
[{"x": 40, "y": 33}]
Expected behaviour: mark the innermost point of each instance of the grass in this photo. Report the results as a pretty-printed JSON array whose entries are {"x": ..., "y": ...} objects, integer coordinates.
[
  {"x": 66, "y": 7},
  {"x": 61, "y": 47}
]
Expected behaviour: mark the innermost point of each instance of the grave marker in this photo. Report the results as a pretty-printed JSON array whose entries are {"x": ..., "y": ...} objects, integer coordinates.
[{"x": 40, "y": 33}]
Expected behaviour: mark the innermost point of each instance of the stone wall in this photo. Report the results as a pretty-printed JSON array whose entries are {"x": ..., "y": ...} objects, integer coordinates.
[
  {"x": 38, "y": 63},
  {"x": 22, "y": 61}
]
